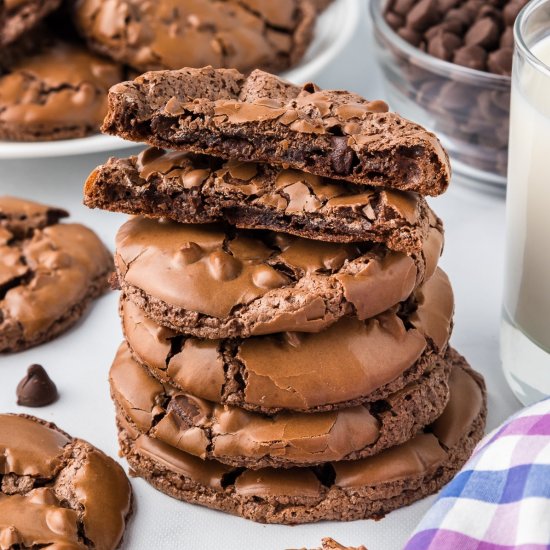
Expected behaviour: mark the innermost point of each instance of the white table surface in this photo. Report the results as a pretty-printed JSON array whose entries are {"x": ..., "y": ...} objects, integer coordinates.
[{"x": 79, "y": 360}]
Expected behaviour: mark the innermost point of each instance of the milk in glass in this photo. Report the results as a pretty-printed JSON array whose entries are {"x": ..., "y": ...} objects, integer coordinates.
[{"x": 525, "y": 336}]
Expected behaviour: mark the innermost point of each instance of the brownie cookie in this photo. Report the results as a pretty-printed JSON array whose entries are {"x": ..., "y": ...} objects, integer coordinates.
[
  {"x": 216, "y": 282},
  {"x": 365, "y": 488},
  {"x": 262, "y": 118},
  {"x": 49, "y": 273},
  {"x": 57, "y": 93},
  {"x": 57, "y": 491},
  {"x": 20, "y": 16},
  {"x": 199, "y": 189},
  {"x": 349, "y": 363},
  {"x": 170, "y": 34},
  {"x": 240, "y": 438}
]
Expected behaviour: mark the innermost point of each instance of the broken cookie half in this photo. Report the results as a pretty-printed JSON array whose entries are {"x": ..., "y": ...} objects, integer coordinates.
[{"x": 57, "y": 491}]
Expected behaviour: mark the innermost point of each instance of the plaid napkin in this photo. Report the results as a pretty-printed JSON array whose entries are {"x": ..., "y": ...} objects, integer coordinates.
[{"x": 500, "y": 500}]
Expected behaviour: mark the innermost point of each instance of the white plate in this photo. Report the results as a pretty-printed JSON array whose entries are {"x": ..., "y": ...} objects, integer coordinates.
[{"x": 333, "y": 30}]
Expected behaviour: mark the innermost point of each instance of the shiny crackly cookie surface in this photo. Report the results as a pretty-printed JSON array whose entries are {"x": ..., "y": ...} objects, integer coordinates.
[
  {"x": 56, "y": 491},
  {"x": 46, "y": 268},
  {"x": 276, "y": 370},
  {"x": 212, "y": 271},
  {"x": 170, "y": 34}
]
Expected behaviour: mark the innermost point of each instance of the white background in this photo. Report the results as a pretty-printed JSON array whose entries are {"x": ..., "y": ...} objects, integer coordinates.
[{"x": 79, "y": 360}]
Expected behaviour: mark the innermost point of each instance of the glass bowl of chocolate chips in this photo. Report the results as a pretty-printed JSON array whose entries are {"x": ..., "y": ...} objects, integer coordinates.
[{"x": 447, "y": 65}]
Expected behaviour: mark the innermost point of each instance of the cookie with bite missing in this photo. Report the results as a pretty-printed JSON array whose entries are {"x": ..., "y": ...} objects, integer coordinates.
[
  {"x": 170, "y": 34},
  {"x": 50, "y": 272},
  {"x": 213, "y": 281},
  {"x": 343, "y": 491},
  {"x": 57, "y": 491}
]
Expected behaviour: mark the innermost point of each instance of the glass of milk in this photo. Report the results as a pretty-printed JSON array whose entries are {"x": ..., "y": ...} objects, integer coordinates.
[{"x": 525, "y": 332}]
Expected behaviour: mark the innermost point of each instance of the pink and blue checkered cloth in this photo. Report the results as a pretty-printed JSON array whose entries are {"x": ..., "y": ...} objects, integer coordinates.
[{"x": 500, "y": 500}]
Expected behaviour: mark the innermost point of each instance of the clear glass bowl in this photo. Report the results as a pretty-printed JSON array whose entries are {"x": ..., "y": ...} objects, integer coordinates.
[{"x": 469, "y": 110}]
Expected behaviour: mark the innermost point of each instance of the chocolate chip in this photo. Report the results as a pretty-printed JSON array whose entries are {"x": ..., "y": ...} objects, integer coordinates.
[
  {"x": 474, "y": 57},
  {"x": 457, "y": 97},
  {"x": 511, "y": 11},
  {"x": 403, "y": 7},
  {"x": 492, "y": 12},
  {"x": 507, "y": 38},
  {"x": 473, "y": 6},
  {"x": 149, "y": 155},
  {"x": 443, "y": 45},
  {"x": 189, "y": 253},
  {"x": 223, "y": 266},
  {"x": 488, "y": 109},
  {"x": 36, "y": 389},
  {"x": 465, "y": 17},
  {"x": 341, "y": 156},
  {"x": 266, "y": 277},
  {"x": 500, "y": 61},
  {"x": 452, "y": 26},
  {"x": 293, "y": 339},
  {"x": 412, "y": 37},
  {"x": 423, "y": 15},
  {"x": 484, "y": 33},
  {"x": 429, "y": 92},
  {"x": 394, "y": 20},
  {"x": 501, "y": 99},
  {"x": 446, "y": 5}
]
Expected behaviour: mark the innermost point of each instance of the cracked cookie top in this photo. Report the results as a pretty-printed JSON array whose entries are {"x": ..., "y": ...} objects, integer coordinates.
[
  {"x": 48, "y": 272},
  {"x": 170, "y": 34},
  {"x": 57, "y": 93},
  {"x": 209, "y": 430},
  {"x": 352, "y": 361},
  {"x": 445, "y": 443},
  {"x": 242, "y": 438},
  {"x": 221, "y": 282},
  {"x": 56, "y": 491}
]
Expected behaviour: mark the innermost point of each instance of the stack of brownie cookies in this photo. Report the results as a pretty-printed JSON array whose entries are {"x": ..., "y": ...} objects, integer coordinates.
[{"x": 286, "y": 325}]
